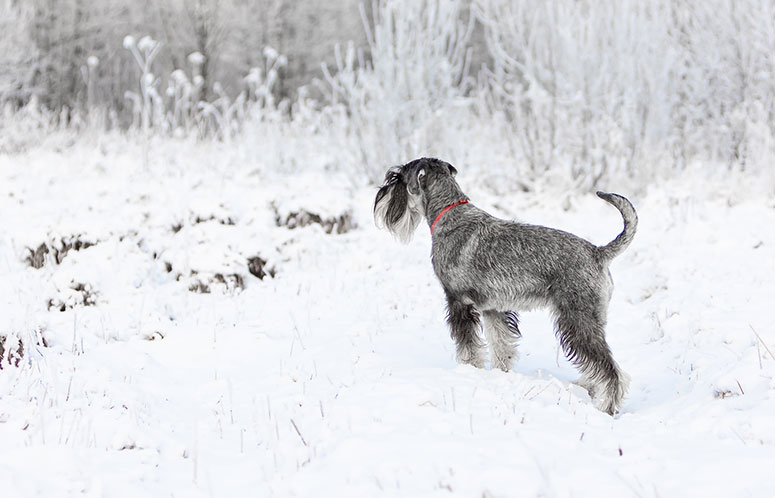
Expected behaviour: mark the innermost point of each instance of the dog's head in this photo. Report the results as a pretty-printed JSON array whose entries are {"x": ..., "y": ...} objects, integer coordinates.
[{"x": 400, "y": 202}]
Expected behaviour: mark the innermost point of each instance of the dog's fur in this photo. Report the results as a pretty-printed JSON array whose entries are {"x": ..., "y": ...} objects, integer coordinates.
[{"x": 492, "y": 268}]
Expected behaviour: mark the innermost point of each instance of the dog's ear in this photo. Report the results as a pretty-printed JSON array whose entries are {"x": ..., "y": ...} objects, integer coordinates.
[
  {"x": 394, "y": 207},
  {"x": 452, "y": 170},
  {"x": 416, "y": 181},
  {"x": 392, "y": 199}
]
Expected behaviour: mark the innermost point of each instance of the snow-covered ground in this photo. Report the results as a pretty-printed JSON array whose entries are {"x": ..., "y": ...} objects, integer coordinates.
[{"x": 151, "y": 362}]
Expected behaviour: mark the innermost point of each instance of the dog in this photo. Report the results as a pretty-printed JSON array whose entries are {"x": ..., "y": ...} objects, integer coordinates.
[{"x": 492, "y": 268}]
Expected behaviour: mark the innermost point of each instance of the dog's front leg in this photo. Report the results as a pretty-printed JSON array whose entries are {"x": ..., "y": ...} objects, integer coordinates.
[{"x": 463, "y": 321}]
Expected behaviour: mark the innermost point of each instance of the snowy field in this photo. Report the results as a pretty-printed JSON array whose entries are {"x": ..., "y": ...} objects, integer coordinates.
[{"x": 143, "y": 358}]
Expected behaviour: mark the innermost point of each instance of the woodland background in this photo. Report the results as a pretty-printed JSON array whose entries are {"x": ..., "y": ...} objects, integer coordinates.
[{"x": 577, "y": 90}]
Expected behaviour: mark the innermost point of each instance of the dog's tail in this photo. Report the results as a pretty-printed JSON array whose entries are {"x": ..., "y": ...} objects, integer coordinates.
[{"x": 620, "y": 243}]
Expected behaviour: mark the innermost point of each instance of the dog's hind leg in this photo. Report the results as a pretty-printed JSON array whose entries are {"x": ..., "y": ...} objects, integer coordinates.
[
  {"x": 463, "y": 321},
  {"x": 502, "y": 332},
  {"x": 582, "y": 337}
]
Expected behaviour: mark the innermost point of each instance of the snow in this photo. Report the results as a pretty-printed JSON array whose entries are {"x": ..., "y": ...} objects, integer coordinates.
[
  {"x": 196, "y": 58},
  {"x": 146, "y": 44},
  {"x": 336, "y": 377},
  {"x": 129, "y": 42}
]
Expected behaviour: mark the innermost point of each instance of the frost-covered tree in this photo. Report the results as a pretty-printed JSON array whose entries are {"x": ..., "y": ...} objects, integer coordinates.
[
  {"x": 630, "y": 86},
  {"x": 18, "y": 57},
  {"x": 207, "y": 28},
  {"x": 585, "y": 90},
  {"x": 60, "y": 36},
  {"x": 415, "y": 71}
]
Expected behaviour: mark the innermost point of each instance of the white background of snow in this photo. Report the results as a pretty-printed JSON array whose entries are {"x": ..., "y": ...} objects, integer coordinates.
[{"x": 348, "y": 342}]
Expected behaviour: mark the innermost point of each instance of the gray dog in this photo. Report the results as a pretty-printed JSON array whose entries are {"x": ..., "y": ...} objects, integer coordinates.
[{"x": 494, "y": 268}]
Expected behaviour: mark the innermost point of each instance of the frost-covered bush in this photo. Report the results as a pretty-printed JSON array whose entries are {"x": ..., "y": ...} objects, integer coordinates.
[
  {"x": 17, "y": 57},
  {"x": 728, "y": 85},
  {"x": 181, "y": 109},
  {"x": 399, "y": 97},
  {"x": 583, "y": 88},
  {"x": 631, "y": 88},
  {"x": 21, "y": 128}
]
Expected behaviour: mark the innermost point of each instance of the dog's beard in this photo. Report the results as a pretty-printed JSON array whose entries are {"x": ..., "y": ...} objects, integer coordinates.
[{"x": 401, "y": 224}]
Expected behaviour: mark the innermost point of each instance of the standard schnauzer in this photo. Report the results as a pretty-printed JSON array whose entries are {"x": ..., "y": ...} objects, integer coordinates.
[{"x": 493, "y": 268}]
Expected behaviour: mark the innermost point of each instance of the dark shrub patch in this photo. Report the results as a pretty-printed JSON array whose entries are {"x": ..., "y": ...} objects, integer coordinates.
[
  {"x": 84, "y": 295},
  {"x": 59, "y": 249},
  {"x": 202, "y": 219},
  {"x": 297, "y": 219},
  {"x": 11, "y": 356},
  {"x": 37, "y": 258},
  {"x": 199, "y": 287},
  {"x": 66, "y": 245},
  {"x": 232, "y": 281},
  {"x": 257, "y": 267},
  {"x": 222, "y": 221}
]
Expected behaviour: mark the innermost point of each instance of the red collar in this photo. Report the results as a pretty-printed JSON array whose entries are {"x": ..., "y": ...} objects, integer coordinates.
[{"x": 464, "y": 201}]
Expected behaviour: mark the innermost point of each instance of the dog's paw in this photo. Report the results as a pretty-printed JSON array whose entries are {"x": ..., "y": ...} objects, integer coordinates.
[
  {"x": 608, "y": 396},
  {"x": 470, "y": 356},
  {"x": 503, "y": 363}
]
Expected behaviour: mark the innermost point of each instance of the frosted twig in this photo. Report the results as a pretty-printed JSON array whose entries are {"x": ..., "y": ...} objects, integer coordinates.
[
  {"x": 542, "y": 390},
  {"x": 298, "y": 432},
  {"x": 759, "y": 354},
  {"x": 760, "y": 340},
  {"x": 298, "y": 336}
]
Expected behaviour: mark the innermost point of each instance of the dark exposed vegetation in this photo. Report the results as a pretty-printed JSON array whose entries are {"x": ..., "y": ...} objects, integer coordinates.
[{"x": 58, "y": 249}]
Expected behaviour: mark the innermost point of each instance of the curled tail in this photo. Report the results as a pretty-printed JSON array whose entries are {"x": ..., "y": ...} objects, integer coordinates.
[{"x": 620, "y": 243}]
